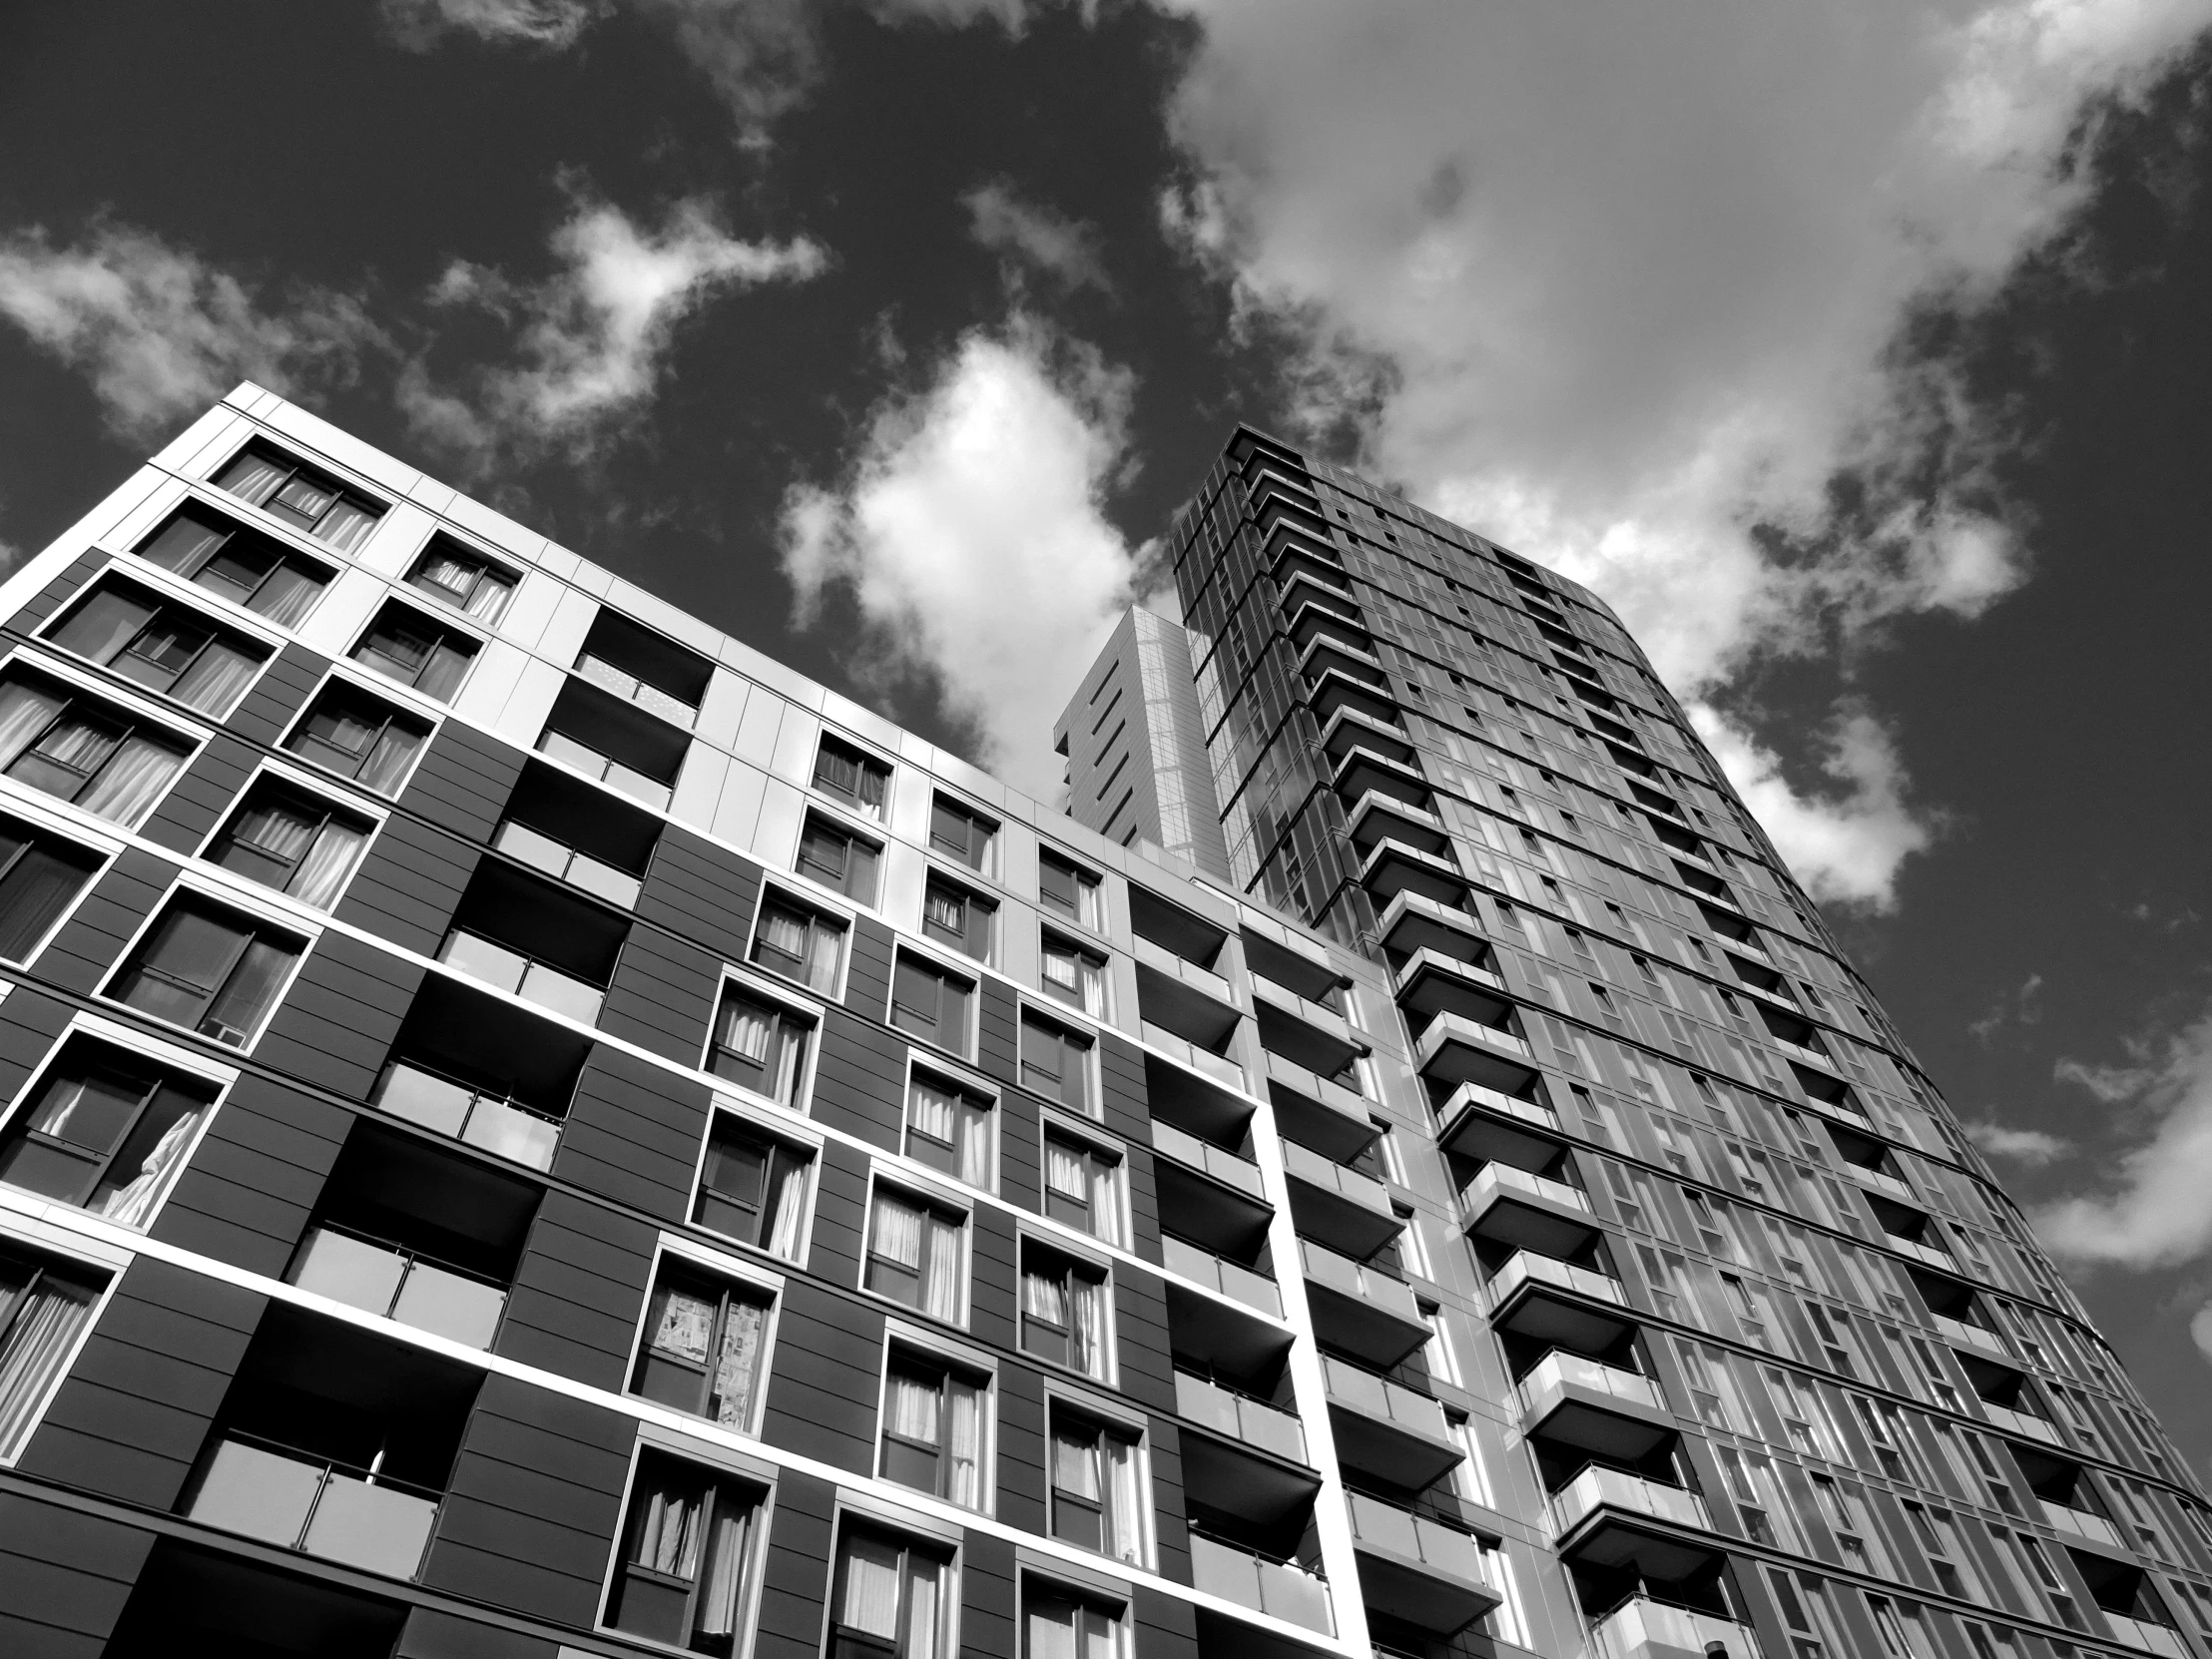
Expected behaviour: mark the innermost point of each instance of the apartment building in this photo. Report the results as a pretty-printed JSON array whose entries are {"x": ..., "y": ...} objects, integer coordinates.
[{"x": 529, "y": 1130}]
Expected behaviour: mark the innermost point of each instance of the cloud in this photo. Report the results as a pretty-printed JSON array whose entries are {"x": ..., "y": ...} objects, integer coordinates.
[
  {"x": 2151, "y": 1212},
  {"x": 2017, "y": 1007},
  {"x": 419, "y": 25},
  {"x": 2022, "y": 1146},
  {"x": 594, "y": 335},
  {"x": 161, "y": 333},
  {"x": 1063, "y": 249},
  {"x": 1843, "y": 845},
  {"x": 970, "y": 531},
  {"x": 1631, "y": 287}
]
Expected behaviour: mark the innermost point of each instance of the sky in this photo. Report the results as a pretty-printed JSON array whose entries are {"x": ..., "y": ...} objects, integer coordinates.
[{"x": 1856, "y": 353}]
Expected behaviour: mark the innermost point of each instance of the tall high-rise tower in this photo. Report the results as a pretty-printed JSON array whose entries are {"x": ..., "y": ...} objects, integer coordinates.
[{"x": 529, "y": 1130}]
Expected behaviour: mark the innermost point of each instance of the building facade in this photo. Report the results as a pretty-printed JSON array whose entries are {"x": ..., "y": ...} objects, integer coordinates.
[{"x": 529, "y": 1130}]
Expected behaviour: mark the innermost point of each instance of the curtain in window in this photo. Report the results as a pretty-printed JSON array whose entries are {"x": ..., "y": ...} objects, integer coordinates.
[
  {"x": 104, "y": 624},
  {"x": 44, "y": 1328},
  {"x": 821, "y": 957},
  {"x": 34, "y": 893},
  {"x": 935, "y": 1114},
  {"x": 668, "y": 1530},
  {"x": 942, "y": 1284},
  {"x": 1075, "y": 1464},
  {"x": 1044, "y": 1296},
  {"x": 326, "y": 867},
  {"x": 489, "y": 598},
  {"x": 25, "y": 712},
  {"x": 348, "y": 525},
  {"x": 914, "y": 1406},
  {"x": 285, "y": 596},
  {"x": 282, "y": 830},
  {"x": 897, "y": 1236},
  {"x": 790, "y": 1208},
  {"x": 247, "y": 995},
  {"x": 1086, "y": 1302},
  {"x": 132, "y": 780},
  {"x": 130, "y": 1204},
  {"x": 745, "y": 1029},
  {"x": 870, "y": 1587},
  {"x": 922, "y": 1608},
  {"x": 738, "y": 1365},
  {"x": 395, "y": 746},
  {"x": 253, "y": 478},
  {"x": 964, "y": 1441},
  {"x": 722, "y": 1588},
  {"x": 1068, "y": 1172},
  {"x": 1124, "y": 1528},
  {"x": 1105, "y": 1205},
  {"x": 974, "y": 1142},
  {"x": 186, "y": 539},
  {"x": 216, "y": 677}
]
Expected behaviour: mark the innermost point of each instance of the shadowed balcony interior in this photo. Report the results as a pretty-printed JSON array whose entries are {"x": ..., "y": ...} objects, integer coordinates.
[
  {"x": 482, "y": 1070},
  {"x": 578, "y": 835},
  {"x": 192, "y": 1603},
  {"x": 645, "y": 668},
  {"x": 616, "y": 741},
  {"x": 545, "y": 943}
]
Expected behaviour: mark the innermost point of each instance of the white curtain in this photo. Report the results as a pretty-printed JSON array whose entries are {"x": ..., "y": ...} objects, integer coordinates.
[
  {"x": 1105, "y": 1205},
  {"x": 1075, "y": 1466},
  {"x": 1124, "y": 1511},
  {"x": 870, "y": 1587},
  {"x": 722, "y": 1589},
  {"x": 214, "y": 681},
  {"x": 131, "y": 1205},
  {"x": 668, "y": 1534},
  {"x": 922, "y": 1608},
  {"x": 38, "y": 1344},
  {"x": 935, "y": 1113},
  {"x": 975, "y": 1140},
  {"x": 24, "y": 714},
  {"x": 915, "y": 1406},
  {"x": 250, "y": 478},
  {"x": 738, "y": 1365},
  {"x": 1066, "y": 1172},
  {"x": 132, "y": 780},
  {"x": 941, "y": 1281},
  {"x": 1086, "y": 1299},
  {"x": 964, "y": 1413},
  {"x": 1044, "y": 1296},
  {"x": 898, "y": 1232},
  {"x": 1093, "y": 988},
  {"x": 346, "y": 526},
  {"x": 324, "y": 869},
  {"x": 822, "y": 956},
  {"x": 790, "y": 1208}
]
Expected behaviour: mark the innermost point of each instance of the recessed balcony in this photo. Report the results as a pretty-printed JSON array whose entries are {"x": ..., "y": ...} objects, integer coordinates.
[
  {"x": 576, "y": 834},
  {"x": 483, "y": 1071},
  {"x": 534, "y": 940},
  {"x": 1359, "y": 1309},
  {"x": 1417, "y": 1569},
  {"x": 1386, "y": 1431},
  {"x": 1516, "y": 1209},
  {"x": 1239, "y": 1417},
  {"x": 1338, "y": 1206},
  {"x": 1231, "y": 1169},
  {"x": 1282, "y": 1589},
  {"x": 1233, "y": 1280},
  {"x": 1319, "y": 1112},
  {"x": 1308, "y": 1034},
  {"x": 646, "y": 669},
  {"x": 612, "y": 740},
  {"x": 189, "y": 1602}
]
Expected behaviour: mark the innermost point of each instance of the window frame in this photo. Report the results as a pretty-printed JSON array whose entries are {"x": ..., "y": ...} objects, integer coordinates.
[
  {"x": 912, "y": 1532},
  {"x": 1052, "y": 941},
  {"x": 283, "y": 776},
  {"x": 863, "y": 757},
  {"x": 809, "y": 904},
  {"x": 73, "y": 1252},
  {"x": 445, "y": 531},
  {"x": 1086, "y": 1133},
  {"x": 985, "y": 861},
  {"x": 222, "y": 505},
  {"x": 704, "y": 1260},
  {"x": 1107, "y": 1419},
  {"x": 718, "y": 1463},
  {"x": 1057, "y": 1580},
  {"x": 190, "y": 734},
  {"x": 1080, "y": 1260},
  {"x": 277, "y": 453},
  {"x": 357, "y": 683},
  {"x": 751, "y": 1121},
  {"x": 834, "y": 823},
  {"x": 141, "y": 1046},
  {"x": 1029, "y": 1011},
  {"x": 191, "y": 883},
  {"x": 801, "y": 1070},
  {"x": 441, "y": 626},
  {"x": 250, "y": 628},
  {"x": 1086, "y": 879},
  {"x": 925, "y": 1196},
  {"x": 930, "y": 1349},
  {"x": 968, "y": 975},
  {"x": 103, "y": 850},
  {"x": 978, "y": 908},
  {"x": 962, "y": 1081}
]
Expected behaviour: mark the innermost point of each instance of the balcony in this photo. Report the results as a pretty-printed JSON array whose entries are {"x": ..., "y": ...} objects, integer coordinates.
[
  {"x": 485, "y": 1072},
  {"x": 1280, "y": 509},
  {"x": 1524, "y": 1268},
  {"x": 1328, "y": 656},
  {"x": 1231, "y": 1169},
  {"x": 1417, "y": 1569},
  {"x": 1576, "y": 1409},
  {"x": 1453, "y": 1049},
  {"x": 1386, "y": 1431},
  {"x": 1225, "y": 1278},
  {"x": 1319, "y": 1112},
  {"x": 2147, "y": 1636},
  {"x": 320, "y": 1507},
  {"x": 1376, "y": 817},
  {"x": 644, "y": 668},
  {"x": 1513, "y": 1208},
  {"x": 1239, "y": 1417},
  {"x": 1338, "y": 1206},
  {"x": 1599, "y": 1487},
  {"x": 1169, "y": 965},
  {"x": 1964, "y": 1334},
  {"x": 1363, "y": 771},
  {"x": 2081, "y": 1523},
  {"x": 1357, "y": 1310},
  {"x": 497, "y": 1123},
  {"x": 1559, "y": 1377},
  {"x": 2024, "y": 1423},
  {"x": 1392, "y": 868},
  {"x": 1880, "y": 1181},
  {"x": 1348, "y": 728},
  {"x": 574, "y": 834},
  {"x": 523, "y": 976},
  {"x": 1413, "y": 923},
  {"x": 1336, "y": 693},
  {"x": 190, "y": 1601},
  {"x": 1280, "y": 1589},
  {"x": 1641, "y": 1628},
  {"x": 1188, "y": 1022},
  {"x": 1484, "y": 1124},
  {"x": 1318, "y": 621},
  {"x": 1306, "y": 1033},
  {"x": 612, "y": 740},
  {"x": 531, "y": 938},
  {"x": 1431, "y": 981}
]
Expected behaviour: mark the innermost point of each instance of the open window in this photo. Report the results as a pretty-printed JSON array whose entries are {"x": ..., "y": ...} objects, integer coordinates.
[
  {"x": 209, "y": 969},
  {"x": 893, "y": 1598},
  {"x": 168, "y": 647},
  {"x": 960, "y": 831},
  {"x": 1057, "y": 1062},
  {"x": 575, "y": 833},
  {"x": 643, "y": 668},
  {"x": 405, "y": 645},
  {"x": 41, "y": 876},
  {"x": 760, "y": 1044},
  {"x": 286, "y": 838},
  {"x": 799, "y": 941},
  {"x": 688, "y": 1556},
  {"x": 917, "y": 1254},
  {"x": 932, "y": 1003},
  {"x": 1066, "y": 1310},
  {"x": 704, "y": 1345},
  {"x": 308, "y": 499},
  {"x": 752, "y": 1187},
  {"x": 464, "y": 577},
  {"x": 960, "y": 917},
  {"x": 45, "y": 1304},
  {"x": 1100, "y": 1500},
  {"x": 936, "y": 1426},
  {"x": 213, "y": 551},
  {"x": 840, "y": 861},
  {"x": 96, "y": 755},
  {"x": 852, "y": 776},
  {"x": 949, "y": 1127},
  {"x": 360, "y": 735}
]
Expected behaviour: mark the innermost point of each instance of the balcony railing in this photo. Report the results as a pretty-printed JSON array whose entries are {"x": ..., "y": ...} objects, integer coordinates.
[
  {"x": 565, "y": 863},
  {"x": 631, "y": 689},
  {"x": 1524, "y": 1266},
  {"x": 1227, "y": 1167},
  {"x": 1978, "y": 1337},
  {"x": 2082, "y": 1523},
  {"x": 1457, "y": 1028},
  {"x": 1417, "y": 1537},
  {"x": 296, "y": 1501},
  {"x": 1933, "y": 1255},
  {"x": 1341, "y": 1179},
  {"x": 2146, "y": 1637},
  {"x": 1495, "y": 1178},
  {"x": 1641, "y": 1628},
  {"x": 1305, "y": 1081},
  {"x": 397, "y": 1284},
  {"x": 1597, "y": 1485},
  {"x": 492, "y": 1122},
  {"x": 1239, "y": 1417},
  {"x": 1378, "y": 1397},
  {"x": 1477, "y": 1094},
  {"x": 2022, "y": 1423},
  {"x": 533, "y": 981},
  {"x": 1278, "y": 1588},
  {"x": 637, "y": 784},
  {"x": 1165, "y": 961},
  {"x": 1202, "y": 1266},
  {"x": 1559, "y": 1368},
  {"x": 1363, "y": 1284},
  {"x": 1882, "y": 1182},
  {"x": 1431, "y": 960}
]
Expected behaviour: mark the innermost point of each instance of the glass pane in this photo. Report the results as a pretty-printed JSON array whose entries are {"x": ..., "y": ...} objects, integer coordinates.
[
  {"x": 446, "y": 1304},
  {"x": 249, "y": 993},
  {"x": 186, "y": 539},
  {"x": 501, "y": 1129},
  {"x": 481, "y": 960},
  {"x": 563, "y": 993},
  {"x": 263, "y": 1494},
  {"x": 538, "y": 850},
  {"x": 421, "y": 1098},
  {"x": 350, "y": 1269},
  {"x": 377, "y": 1528},
  {"x": 104, "y": 624}
]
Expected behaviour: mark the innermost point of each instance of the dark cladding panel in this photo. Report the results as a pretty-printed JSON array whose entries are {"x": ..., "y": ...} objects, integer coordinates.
[
  {"x": 867, "y": 979},
  {"x": 1021, "y": 1448},
  {"x": 662, "y": 996},
  {"x": 64, "y": 1578},
  {"x": 336, "y": 1023},
  {"x": 1141, "y": 1330},
  {"x": 463, "y": 780},
  {"x": 702, "y": 891},
  {"x": 577, "y": 1295},
  {"x": 861, "y": 1079},
  {"x": 56, "y": 593},
  {"x": 410, "y": 885},
  {"x": 246, "y": 1196},
  {"x": 266, "y": 713},
  {"x": 841, "y": 1215},
  {"x": 822, "y": 1392},
  {"x": 796, "y": 1585},
  {"x": 202, "y": 795},
  {"x": 987, "y": 1596},
  {"x": 91, "y": 941},
  {"x": 634, "y": 1133}
]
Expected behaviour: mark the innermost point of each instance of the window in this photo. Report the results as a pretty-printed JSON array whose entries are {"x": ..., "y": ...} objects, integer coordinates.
[
  {"x": 246, "y": 568},
  {"x": 448, "y": 571},
  {"x": 1074, "y": 976},
  {"x": 687, "y": 1551},
  {"x": 1069, "y": 890},
  {"x": 950, "y": 1128},
  {"x": 160, "y": 645},
  {"x": 266, "y": 477},
  {"x": 43, "y": 1310},
  {"x": 97, "y": 757},
  {"x": 106, "y": 1130},
  {"x": 1057, "y": 1062},
  {"x": 838, "y": 859},
  {"x": 1063, "y": 1311},
  {"x": 1059, "y": 1624},
  {"x": 752, "y": 1188},
  {"x": 893, "y": 1598},
  {"x": 960, "y": 832},
  {"x": 930, "y": 1003},
  {"x": 916, "y": 1254},
  {"x": 287, "y": 838},
  {"x": 860, "y": 781},
  {"x": 407, "y": 646},
  {"x": 1082, "y": 1186},
  {"x": 1098, "y": 1483},
  {"x": 934, "y": 1429},
  {"x": 208, "y": 969},
  {"x": 799, "y": 943},
  {"x": 758, "y": 1045},
  {"x": 701, "y": 1350},
  {"x": 955, "y": 917},
  {"x": 40, "y": 877},
  {"x": 357, "y": 734}
]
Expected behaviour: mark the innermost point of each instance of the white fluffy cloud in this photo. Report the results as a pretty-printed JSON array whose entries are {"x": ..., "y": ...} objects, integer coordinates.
[
  {"x": 1845, "y": 844},
  {"x": 2152, "y": 1213},
  {"x": 419, "y": 24},
  {"x": 2031, "y": 1147},
  {"x": 1619, "y": 284},
  {"x": 1063, "y": 249},
  {"x": 969, "y": 533},
  {"x": 592, "y": 337},
  {"x": 161, "y": 333}
]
